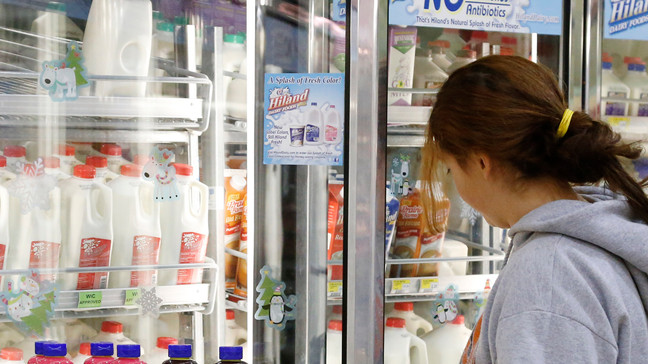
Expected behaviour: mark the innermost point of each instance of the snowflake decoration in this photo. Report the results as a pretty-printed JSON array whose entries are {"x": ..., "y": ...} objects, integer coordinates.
[
  {"x": 149, "y": 301},
  {"x": 469, "y": 213},
  {"x": 32, "y": 187}
]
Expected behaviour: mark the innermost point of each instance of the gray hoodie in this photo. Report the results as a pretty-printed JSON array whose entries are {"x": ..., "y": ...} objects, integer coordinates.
[{"x": 574, "y": 289}]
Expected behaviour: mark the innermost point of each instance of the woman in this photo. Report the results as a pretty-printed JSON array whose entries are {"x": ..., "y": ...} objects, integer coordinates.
[{"x": 574, "y": 287}]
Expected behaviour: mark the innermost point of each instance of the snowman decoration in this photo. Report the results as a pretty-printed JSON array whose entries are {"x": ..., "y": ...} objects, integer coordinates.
[{"x": 20, "y": 303}]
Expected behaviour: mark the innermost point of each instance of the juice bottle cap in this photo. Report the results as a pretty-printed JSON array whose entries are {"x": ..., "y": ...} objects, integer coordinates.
[
  {"x": 163, "y": 342},
  {"x": 56, "y": 6},
  {"x": 509, "y": 40},
  {"x": 131, "y": 170},
  {"x": 459, "y": 320},
  {"x": 14, "y": 151},
  {"x": 439, "y": 43},
  {"x": 179, "y": 351},
  {"x": 234, "y": 38},
  {"x": 141, "y": 159},
  {"x": 335, "y": 325},
  {"x": 479, "y": 35},
  {"x": 11, "y": 354},
  {"x": 85, "y": 349},
  {"x": 111, "y": 149},
  {"x": 66, "y": 150},
  {"x": 51, "y": 162},
  {"x": 54, "y": 349},
  {"x": 102, "y": 349},
  {"x": 337, "y": 309},
  {"x": 86, "y": 172},
  {"x": 183, "y": 169},
  {"x": 128, "y": 351},
  {"x": 506, "y": 51},
  {"x": 229, "y": 314},
  {"x": 404, "y": 306},
  {"x": 238, "y": 182},
  {"x": 112, "y": 327},
  {"x": 230, "y": 352},
  {"x": 38, "y": 347},
  {"x": 3, "y": 161},
  {"x": 396, "y": 322},
  {"x": 97, "y": 161}
]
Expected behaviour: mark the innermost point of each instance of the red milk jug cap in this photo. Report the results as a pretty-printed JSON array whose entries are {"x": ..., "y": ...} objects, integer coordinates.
[
  {"x": 164, "y": 342},
  {"x": 337, "y": 309},
  {"x": 229, "y": 314},
  {"x": 112, "y": 327},
  {"x": 84, "y": 171},
  {"x": 404, "y": 306},
  {"x": 111, "y": 149},
  {"x": 141, "y": 159},
  {"x": 479, "y": 34},
  {"x": 131, "y": 170},
  {"x": 14, "y": 151},
  {"x": 509, "y": 40},
  {"x": 396, "y": 322},
  {"x": 84, "y": 349},
  {"x": 51, "y": 162},
  {"x": 335, "y": 325},
  {"x": 459, "y": 320},
  {"x": 64, "y": 149},
  {"x": 11, "y": 354},
  {"x": 3, "y": 161},
  {"x": 97, "y": 161},
  {"x": 183, "y": 169}
]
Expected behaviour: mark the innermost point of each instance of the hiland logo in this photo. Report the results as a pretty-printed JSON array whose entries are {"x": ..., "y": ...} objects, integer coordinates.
[
  {"x": 624, "y": 9},
  {"x": 451, "y": 5}
]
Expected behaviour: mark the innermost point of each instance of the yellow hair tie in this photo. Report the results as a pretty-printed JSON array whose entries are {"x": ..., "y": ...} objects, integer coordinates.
[{"x": 564, "y": 123}]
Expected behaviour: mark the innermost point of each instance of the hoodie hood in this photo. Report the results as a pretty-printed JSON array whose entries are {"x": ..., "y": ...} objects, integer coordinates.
[{"x": 606, "y": 221}]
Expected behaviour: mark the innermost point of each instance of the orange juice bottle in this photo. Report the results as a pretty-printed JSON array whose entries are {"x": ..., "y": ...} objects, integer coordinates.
[
  {"x": 241, "y": 268},
  {"x": 409, "y": 229},
  {"x": 235, "y": 188},
  {"x": 432, "y": 238}
]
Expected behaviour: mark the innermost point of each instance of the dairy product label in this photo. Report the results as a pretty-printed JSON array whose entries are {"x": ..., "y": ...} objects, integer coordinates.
[
  {"x": 146, "y": 251},
  {"x": 625, "y": 19},
  {"x": 192, "y": 250},
  {"x": 3, "y": 249},
  {"x": 95, "y": 252},
  {"x": 44, "y": 254},
  {"x": 513, "y": 16},
  {"x": 428, "y": 99},
  {"x": 616, "y": 108}
]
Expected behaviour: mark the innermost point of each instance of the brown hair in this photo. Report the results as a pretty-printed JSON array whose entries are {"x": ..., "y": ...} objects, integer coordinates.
[{"x": 509, "y": 108}]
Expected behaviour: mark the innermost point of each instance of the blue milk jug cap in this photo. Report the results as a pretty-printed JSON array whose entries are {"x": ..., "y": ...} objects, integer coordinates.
[
  {"x": 165, "y": 27},
  {"x": 234, "y": 38},
  {"x": 38, "y": 347},
  {"x": 230, "y": 352},
  {"x": 179, "y": 351},
  {"x": 128, "y": 351},
  {"x": 54, "y": 349},
  {"x": 607, "y": 65},
  {"x": 56, "y": 6},
  {"x": 102, "y": 349}
]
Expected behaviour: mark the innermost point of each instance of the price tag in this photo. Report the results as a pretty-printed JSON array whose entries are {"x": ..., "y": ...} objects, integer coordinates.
[
  {"x": 335, "y": 289},
  {"x": 90, "y": 299},
  {"x": 131, "y": 296},
  {"x": 619, "y": 121},
  {"x": 401, "y": 285},
  {"x": 429, "y": 285}
]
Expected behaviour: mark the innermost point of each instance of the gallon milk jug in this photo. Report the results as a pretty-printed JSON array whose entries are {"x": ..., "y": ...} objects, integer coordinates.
[
  {"x": 66, "y": 155},
  {"x": 235, "y": 335},
  {"x": 233, "y": 55},
  {"x": 14, "y": 154},
  {"x": 312, "y": 119},
  {"x": 446, "y": 344},
  {"x": 334, "y": 342},
  {"x": 51, "y": 24},
  {"x": 464, "y": 57},
  {"x": 163, "y": 48},
  {"x": 11, "y": 356},
  {"x": 637, "y": 80},
  {"x": 185, "y": 229},
  {"x": 426, "y": 75},
  {"x": 332, "y": 126},
  {"x": 160, "y": 352},
  {"x": 86, "y": 225},
  {"x": 84, "y": 354},
  {"x": 113, "y": 154},
  {"x": 438, "y": 49},
  {"x": 102, "y": 173},
  {"x": 611, "y": 86},
  {"x": 113, "y": 332},
  {"x": 117, "y": 42},
  {"x": 336, "y": 312},
  {"x": 236, "y": 94},
  {"x": 5, "y": 175},
  {"x": 138, "y": 237},
  {"x": 453, "y": 249},
  {"x": 9, "y": 336},
  {"x": 53, "y": 168},
  {"x": 34, "y": 231},
  {"x": 77, "y": 332},
  {"x": 401, "y": 347},
  {"x": 102, "y": 353},
  {"x": 414, "y": 323},
  {"x": 54, "y": 353}
]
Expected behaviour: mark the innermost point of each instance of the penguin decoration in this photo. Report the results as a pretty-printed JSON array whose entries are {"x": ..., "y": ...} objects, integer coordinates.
[{"x": 274, "y": 307}]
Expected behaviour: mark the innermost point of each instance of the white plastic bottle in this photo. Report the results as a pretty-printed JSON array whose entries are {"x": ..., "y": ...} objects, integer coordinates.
[
  {"x": 160, "y": 352},
  {"x": 11, "y": 356},
  {"x": 113, "y": 153},
  {"x": 334, "y": 342},
  {"x": 446, "y": 344},
  {"x": 185, "y": 229},
  {"x": 611, "y": 86},
  {"x": 86, "y": 225},
  {"x": 426, "y": 75},
  {"x": 464, "y": 57},
  {"x": 312, "y": 119},
  {"x": 233, "y": 54},
  {"x": 137, "y": 238},
  {"x": 163, "y": 48},
  {"x": 414, "y": 323},
  {"x": 5, "y": 174},
  {"x": 439, "y": 49},
  {"x": 332, "y": 126},
  {"x": 453, "y": 249},
  {"x": 235, "y": 335},
  {"x": 14, "y": 154},
  {"x": 52, "y": 23},
  {"x": 66, "y": 156},
  {"x": 76, "y": 332},
  {"x": 53, "y": 168},
  {"x": 117, "y": 41},
  {"x": 237, "y": 94},
  {"x": 83, "y": 354},
  {"x": 401, "y": 346},
  {"x": 102, "y": 173},
  {"x": 637, "y": 80},
  {"x": 112, "y": 332}
]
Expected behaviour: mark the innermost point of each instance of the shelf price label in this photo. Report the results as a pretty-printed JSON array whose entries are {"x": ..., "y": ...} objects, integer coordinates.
[
  {"x": 401, "y": 285},
  {"x": 91, "y": 299},
  {"x": 335, "y": 289},
  {"x": 131, "y": 296},
  {"x": 429, "y": 285}
]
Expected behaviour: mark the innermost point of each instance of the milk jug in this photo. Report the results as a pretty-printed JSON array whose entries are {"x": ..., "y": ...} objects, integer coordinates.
[
  {"x": 334, "y": 342},
  {"x": 53, "y": 168},
  {"x": 336, "y": 312},
  {"x": 446, "y": 344},
  {"x": 414, "y": 323},
  {"x": 163, "y": 48},
  {"x": 438, "y": 49},
  {"x": 426, "y": 75},
  {"x": 65, "y": 154},
  {"x": 14, "y": 154},
  {"x": 4, "y": 227},
  {"x": 5, "y": 175},
  {"x": 637, "y": 80},
  {"x": 117, "y": 41},
  {"x": 113, "y": 332},
  {"x": 113, "y": 154},
  {"x": 464, "y": 57},
  {"x": 185, "y": 229},
  {"x": 454, "y": 39},
  {"x": 236, "y": 94},
  {"x": 51, "y": 24},
  {"x": 401, "y": 347},
  {"x": 9, "y": 336},
  {"x": 235, "y": 335},
  {"x": 138, "y": 237},
  {"x": 11, "y": 356},
  {"x": 332, "y": 126},
  {"x": 312, "y": 119},
  {"x": 160, "y": 352},
  {"x": 102, "y": 173},
  {"x": 611, "y": 86},
  {"x": 233, "y": 55},
  {"x": 453, "y": 249},
  {"x": 86, "y": 225},
  {"x": 83, "y": 355}
]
